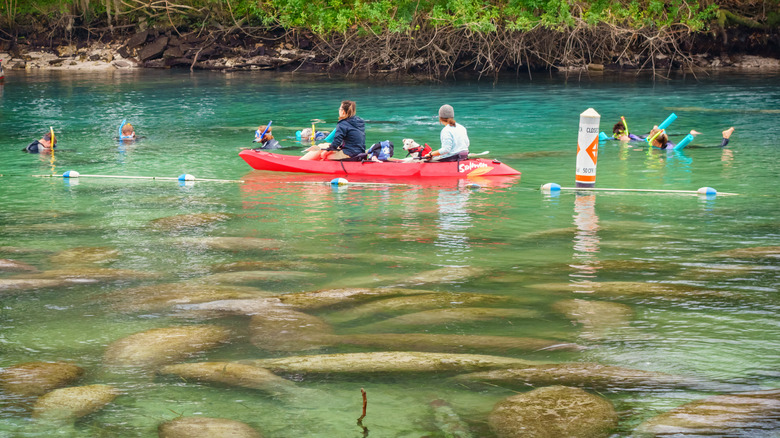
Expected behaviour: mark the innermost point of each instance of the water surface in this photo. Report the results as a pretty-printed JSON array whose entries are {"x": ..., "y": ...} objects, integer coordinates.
[{"x": 519, "y": 243}]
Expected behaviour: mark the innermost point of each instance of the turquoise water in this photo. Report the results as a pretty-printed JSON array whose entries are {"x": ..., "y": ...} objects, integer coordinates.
[{"x": 719, "y": 323}]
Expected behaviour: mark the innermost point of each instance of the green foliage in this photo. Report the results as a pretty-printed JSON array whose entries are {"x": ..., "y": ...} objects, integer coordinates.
[{"x": 380, "y": 16}]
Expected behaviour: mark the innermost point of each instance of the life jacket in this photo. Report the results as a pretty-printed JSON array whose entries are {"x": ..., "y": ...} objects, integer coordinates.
[
  {"x": 382, "y": 150},
  {"x": 423, "y": 150}
]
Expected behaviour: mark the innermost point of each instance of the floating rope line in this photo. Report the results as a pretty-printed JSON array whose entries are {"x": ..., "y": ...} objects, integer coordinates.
[
  {"x": 552, "y": 187},
  {"x": 184, "y": 177}
]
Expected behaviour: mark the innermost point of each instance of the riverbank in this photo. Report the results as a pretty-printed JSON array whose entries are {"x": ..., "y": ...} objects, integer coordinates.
[{"x": 235, "y": 52}]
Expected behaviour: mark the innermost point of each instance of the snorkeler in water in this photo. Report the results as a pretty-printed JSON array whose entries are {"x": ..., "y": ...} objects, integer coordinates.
[{"x": 658, "y": 139}]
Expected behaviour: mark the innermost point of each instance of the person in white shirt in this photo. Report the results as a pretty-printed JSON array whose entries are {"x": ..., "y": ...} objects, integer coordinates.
[{"x": 454, "y": 138}]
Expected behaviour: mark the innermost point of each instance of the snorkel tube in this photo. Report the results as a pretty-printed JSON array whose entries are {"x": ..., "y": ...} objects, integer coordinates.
[
  {"x": 662, "y": 127},
  {"x": 259, "y": 135},
  {"x": 625, "y": 125}
]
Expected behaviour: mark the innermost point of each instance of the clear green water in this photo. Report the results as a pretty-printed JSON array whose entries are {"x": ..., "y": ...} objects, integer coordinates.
[{"x": 523, "y": 244}]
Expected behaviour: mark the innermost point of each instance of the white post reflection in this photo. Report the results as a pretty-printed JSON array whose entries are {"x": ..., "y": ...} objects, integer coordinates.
[{"x": 586, "y": 239}]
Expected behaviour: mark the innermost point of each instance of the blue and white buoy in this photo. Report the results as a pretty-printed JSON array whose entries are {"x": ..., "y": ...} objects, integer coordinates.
[
  {"x": 186, "y": 177},
  {"x": 70, "y": 174},
  {"x": 551, "y": 188},
  {"x": 339, "y": 182},
  {"x": 709, "y": 191}
]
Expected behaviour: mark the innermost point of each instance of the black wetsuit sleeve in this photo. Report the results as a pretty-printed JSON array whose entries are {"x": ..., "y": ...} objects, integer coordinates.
[{"x": 33, "y": 147}]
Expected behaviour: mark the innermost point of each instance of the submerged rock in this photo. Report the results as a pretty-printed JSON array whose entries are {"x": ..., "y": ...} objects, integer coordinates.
[
  {"x": 283, "y": 329},
  {"x": 85, "y": 256},
  {"x": 164, "y": 345},
  {"x": 553, "y": 412},
  {"x": 37, "y": 378},
  {"x": 234, "y": 374},
  {"x": 597, "y": 318},
  {"x": 448, "y": 421},
  {"x": 242, "y": 277},
  {"x": 268, "y": 265},
  {"x": 92, "y": 275},
  {"x": 453, "y": 343},
  {"x": 205, "y": 427},
  {"x": 187, "y": 221},
  {"x": 414, "y": 303},
  {"x": 26, "y": 284},
  {"x": 743, "y": 414},
  {"x": 388, "y": 362},
  {"x": 449, "y": 316},
  {"x": 8, "y": 265},
  {"x": 219, "y": 308},
  {"x": 337, "y": 297},
  {"x": 74, "y": 402},
  {"x": 164, "y": 296},
  {"x": 638, "y": 288},
  {"x": 233, "y": 243},
  {"x": 454, "y": 274},
  {"x": 758, "y": 252},
  {"x": 586, "y": 375}
]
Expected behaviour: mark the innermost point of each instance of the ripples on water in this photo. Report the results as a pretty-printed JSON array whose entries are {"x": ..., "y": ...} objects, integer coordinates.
[{"x": 710, "y": 314}]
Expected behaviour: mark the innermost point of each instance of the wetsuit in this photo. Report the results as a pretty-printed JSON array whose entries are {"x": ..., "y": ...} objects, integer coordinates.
[
  {"x": 35, "y": 147},
  {"x": 270, "y": 144}
]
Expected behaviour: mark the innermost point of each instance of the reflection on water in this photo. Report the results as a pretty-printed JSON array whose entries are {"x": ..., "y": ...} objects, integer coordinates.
[
  {"x": 680, "y": 287},
  {"x": 586, "y": 239},
  {"x": 452, "y": 240}
]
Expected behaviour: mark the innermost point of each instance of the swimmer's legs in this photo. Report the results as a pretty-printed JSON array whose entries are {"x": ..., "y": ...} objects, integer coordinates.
[{"x": 726, "y": 135}]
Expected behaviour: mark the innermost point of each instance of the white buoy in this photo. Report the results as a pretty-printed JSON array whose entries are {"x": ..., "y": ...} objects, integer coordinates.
[
  {"x": 551, "y": 187},
  {"x": 339, "y": 181},
  {"x": 186, "y": 177},
  {"x": 70, "y": 174},
  {"x": 587, "y": 148},
  {"x": 707, "y": 191},
  {"x": 473, "y": 186}
]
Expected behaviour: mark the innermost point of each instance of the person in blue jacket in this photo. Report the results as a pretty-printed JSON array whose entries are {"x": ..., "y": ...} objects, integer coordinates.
[{"x": 349, "y": 140}]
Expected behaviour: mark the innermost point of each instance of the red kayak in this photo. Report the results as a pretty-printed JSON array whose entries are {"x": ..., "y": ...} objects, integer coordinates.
[{"x": 472, "y": 167}]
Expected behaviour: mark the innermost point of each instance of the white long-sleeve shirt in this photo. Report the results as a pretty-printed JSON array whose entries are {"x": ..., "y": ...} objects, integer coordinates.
[{"x": 454, "y": 139}]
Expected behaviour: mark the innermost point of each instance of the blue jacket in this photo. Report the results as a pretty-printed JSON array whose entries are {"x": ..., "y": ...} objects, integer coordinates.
[{"x": 350, "y": 136}]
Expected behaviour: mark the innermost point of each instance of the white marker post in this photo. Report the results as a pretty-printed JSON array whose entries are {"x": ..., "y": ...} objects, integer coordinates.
[{"x": 587, "y": 149}]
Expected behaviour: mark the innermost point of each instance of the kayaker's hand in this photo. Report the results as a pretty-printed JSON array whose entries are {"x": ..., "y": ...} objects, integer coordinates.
[{"x": 428, "y": 157}]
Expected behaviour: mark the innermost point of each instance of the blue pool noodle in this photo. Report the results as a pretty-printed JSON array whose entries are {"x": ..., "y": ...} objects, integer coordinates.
[
  {"x": 604, "y": 137},
  {"x": 665, "y": 124},
  {"x": 684, "y": 142}
]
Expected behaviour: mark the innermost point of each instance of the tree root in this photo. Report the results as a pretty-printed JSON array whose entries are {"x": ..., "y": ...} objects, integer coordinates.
[{"x": 443, "y": 52}]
